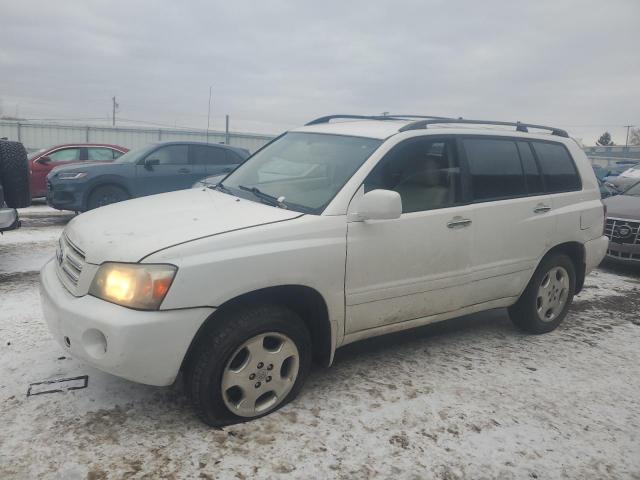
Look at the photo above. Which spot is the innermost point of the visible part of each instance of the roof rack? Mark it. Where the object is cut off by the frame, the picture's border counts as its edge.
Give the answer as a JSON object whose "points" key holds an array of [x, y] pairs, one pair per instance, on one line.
{"points": [[328, 118], [520, 127]]}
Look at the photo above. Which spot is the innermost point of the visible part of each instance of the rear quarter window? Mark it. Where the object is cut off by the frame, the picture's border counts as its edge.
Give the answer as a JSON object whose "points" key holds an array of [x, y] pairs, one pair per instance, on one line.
{"points": [[558, 169]]}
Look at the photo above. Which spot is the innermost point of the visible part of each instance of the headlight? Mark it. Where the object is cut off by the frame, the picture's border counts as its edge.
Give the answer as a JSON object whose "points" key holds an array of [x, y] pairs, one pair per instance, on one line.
{"points": [[71, 175], [141, 286]]}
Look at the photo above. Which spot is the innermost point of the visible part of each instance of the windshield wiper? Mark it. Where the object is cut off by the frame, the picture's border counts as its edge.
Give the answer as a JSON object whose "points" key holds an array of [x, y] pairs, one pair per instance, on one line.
{"points": [[275, 201], [221, 187]]}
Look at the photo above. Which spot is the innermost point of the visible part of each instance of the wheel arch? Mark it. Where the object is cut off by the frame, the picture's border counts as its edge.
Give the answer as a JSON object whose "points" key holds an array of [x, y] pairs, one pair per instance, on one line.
{"points": [[105, 182], [305, 301], [576, 252]]}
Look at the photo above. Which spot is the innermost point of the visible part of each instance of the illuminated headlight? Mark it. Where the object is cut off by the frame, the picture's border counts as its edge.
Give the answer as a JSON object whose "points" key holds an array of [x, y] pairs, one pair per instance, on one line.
{"points": [[140, 286], [71, 175]]}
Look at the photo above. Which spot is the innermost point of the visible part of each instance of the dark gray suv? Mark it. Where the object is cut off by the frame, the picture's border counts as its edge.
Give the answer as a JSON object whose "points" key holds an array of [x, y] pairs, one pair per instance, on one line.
{"points": [[157, 168]]}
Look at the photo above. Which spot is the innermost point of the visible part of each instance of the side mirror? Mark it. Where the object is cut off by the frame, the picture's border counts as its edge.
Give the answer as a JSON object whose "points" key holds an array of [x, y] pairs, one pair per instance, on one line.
{"points": [[44, 160], [379, 205], [150, 162]]}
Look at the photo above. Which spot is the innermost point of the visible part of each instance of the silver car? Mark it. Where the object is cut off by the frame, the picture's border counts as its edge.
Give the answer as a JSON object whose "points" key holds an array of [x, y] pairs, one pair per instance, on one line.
{"points": [[623, 225]]}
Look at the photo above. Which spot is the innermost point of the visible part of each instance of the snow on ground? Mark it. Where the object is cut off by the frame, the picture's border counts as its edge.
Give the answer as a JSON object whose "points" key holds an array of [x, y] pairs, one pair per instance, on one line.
{"points": [[468, 398]]}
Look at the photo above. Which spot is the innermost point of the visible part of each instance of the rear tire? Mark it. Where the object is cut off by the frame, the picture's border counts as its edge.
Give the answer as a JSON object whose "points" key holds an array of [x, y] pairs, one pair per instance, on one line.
{"points": [[106, 195], [14, 174], [546, 300], [227, 385]]}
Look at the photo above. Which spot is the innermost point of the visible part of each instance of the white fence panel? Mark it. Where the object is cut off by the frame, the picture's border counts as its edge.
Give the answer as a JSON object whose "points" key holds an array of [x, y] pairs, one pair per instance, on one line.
{"points": [[40, 135]]}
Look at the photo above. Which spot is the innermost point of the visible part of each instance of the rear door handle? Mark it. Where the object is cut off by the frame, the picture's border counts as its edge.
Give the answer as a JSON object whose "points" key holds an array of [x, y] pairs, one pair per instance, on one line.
{"points": [[458, 222], [184, 170], [541, 208]]}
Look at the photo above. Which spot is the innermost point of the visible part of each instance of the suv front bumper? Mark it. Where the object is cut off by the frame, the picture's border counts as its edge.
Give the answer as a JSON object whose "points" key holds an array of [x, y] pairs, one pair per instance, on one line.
{"points": [[142, 346], [64, 196]]}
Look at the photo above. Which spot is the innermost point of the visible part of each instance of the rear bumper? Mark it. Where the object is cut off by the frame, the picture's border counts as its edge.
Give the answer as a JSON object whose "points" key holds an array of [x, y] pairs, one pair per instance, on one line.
{"points": [[595, 251], [142, 346]]}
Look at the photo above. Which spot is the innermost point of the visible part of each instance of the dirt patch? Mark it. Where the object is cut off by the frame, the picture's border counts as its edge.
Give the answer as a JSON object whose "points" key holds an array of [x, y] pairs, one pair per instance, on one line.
{"points": [[17, 278], [627, 306]]}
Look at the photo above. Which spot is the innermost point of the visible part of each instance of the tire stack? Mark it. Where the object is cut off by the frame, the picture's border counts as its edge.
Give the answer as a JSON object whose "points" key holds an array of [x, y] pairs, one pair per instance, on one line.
{"points": [[14, 175]]}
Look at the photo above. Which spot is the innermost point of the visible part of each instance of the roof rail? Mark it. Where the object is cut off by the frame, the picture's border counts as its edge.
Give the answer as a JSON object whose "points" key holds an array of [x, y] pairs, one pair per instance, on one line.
{"points": [[328, 118], [520, 127]]}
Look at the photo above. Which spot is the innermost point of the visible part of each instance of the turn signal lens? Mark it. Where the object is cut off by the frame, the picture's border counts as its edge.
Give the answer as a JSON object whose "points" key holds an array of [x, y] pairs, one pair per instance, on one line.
{"points": [[140, 286]]}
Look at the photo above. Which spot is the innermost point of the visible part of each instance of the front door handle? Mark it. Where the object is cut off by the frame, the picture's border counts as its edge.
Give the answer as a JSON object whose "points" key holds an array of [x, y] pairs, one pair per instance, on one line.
{"points": [[184, 170], [458, 222], [541, 208]]}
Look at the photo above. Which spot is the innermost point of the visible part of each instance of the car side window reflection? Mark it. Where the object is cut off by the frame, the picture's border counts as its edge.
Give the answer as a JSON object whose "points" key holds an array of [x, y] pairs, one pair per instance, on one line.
{"points": [[170, 155], [423, 171]]}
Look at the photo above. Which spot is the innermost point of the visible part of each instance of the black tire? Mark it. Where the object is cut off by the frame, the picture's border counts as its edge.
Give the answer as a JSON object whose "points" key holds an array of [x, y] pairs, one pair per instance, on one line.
{"points": [[14, 174], [220, 341], [524, 314], [106, 195]]}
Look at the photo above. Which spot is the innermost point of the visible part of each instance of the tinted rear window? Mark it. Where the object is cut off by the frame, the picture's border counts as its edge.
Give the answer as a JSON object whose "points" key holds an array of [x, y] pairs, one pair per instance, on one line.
{"points": [[495, 168], [558, 169]]}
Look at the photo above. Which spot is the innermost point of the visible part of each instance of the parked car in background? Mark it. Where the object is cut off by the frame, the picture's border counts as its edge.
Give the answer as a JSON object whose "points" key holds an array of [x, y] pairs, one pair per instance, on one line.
{"points": [[623, 225], [600, 171], [606, 189], [332, 233], [46, 159], [627, 178], [157, 168], [14, 183]]}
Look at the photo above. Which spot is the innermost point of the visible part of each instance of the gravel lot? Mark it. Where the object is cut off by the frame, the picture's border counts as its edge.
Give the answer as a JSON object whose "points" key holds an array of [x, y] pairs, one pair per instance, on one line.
{"points": [[469, 398]]}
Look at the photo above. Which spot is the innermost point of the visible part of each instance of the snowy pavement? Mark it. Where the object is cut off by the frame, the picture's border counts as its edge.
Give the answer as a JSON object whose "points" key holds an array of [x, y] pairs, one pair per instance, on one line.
{"points": [[469, 398]]}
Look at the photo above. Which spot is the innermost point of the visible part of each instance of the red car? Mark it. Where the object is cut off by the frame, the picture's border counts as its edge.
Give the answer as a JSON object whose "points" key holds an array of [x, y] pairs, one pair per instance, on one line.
{"points": [[45, 160]]}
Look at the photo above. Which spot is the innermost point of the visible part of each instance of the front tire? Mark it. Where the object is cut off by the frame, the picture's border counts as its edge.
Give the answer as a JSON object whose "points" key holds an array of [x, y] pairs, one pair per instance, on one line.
{"points": [[248, 363], [106, 195], [545, 302]]}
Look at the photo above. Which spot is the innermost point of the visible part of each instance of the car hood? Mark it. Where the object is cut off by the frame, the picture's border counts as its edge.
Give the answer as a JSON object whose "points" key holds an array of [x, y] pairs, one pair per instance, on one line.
{"points": [[131, 230], [623, 206]]}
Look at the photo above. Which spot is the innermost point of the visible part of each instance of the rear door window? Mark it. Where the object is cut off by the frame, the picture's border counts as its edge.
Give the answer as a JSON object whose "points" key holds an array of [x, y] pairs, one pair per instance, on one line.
{"points": [[495, 168], [99, 154], [558, 170], [205, 155], [233, 158]]}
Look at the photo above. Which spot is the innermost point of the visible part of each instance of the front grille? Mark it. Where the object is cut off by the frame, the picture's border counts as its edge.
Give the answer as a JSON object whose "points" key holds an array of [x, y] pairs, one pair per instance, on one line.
{"points": [[70, 261], [623, 255], [620, 230]]}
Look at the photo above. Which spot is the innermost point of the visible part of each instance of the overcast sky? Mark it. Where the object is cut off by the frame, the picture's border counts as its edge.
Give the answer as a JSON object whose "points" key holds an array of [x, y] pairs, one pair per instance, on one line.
{"points": [[277, 64]]}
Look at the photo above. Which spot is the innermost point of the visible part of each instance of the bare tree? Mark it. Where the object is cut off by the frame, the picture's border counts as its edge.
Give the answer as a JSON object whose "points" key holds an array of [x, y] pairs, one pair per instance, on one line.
{"points": [[634, 136]]}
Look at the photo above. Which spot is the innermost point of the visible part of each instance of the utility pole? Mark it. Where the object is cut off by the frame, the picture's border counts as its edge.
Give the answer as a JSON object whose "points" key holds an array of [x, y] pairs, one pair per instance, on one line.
{"points": [[209, 112], [626, 143], [226, 130], [113, 117]]}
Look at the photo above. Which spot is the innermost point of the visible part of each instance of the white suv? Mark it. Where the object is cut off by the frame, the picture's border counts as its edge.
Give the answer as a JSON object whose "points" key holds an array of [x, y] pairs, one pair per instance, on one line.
{"points": [[347, 228]]}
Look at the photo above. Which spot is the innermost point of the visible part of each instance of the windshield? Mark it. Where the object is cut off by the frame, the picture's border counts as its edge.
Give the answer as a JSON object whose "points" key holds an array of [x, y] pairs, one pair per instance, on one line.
{"points": [[304, 171], [633, 191], [132, 156]]}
